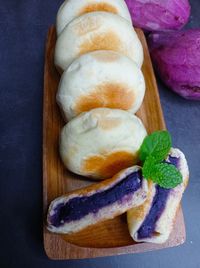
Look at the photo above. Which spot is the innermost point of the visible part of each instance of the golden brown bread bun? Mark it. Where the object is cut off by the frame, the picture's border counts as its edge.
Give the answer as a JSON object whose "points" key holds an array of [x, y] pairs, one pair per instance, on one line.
{"points": [[97, 31], [101, 79], [71, 9], [101, 142]]}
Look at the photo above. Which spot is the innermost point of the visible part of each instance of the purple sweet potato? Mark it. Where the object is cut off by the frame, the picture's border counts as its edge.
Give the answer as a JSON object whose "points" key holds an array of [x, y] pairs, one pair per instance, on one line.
{"points": [[159, 15], [176, 56]]}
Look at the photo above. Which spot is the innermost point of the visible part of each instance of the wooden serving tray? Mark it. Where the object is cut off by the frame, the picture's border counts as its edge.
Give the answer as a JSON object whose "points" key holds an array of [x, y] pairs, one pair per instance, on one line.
{"points": [[110, 237]]}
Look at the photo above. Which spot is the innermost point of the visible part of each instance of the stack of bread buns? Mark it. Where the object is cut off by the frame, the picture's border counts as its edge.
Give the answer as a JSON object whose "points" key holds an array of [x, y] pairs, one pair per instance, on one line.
{"points": [[99, 56]]}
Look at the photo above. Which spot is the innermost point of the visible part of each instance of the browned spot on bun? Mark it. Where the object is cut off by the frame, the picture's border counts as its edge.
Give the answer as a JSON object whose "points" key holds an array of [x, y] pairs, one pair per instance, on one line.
{"points": [[86, 25], [102, 113], [107, 124], [110, 95], [98, 7], [106, 166], [106, 56], [105, 121], [101, 41]]}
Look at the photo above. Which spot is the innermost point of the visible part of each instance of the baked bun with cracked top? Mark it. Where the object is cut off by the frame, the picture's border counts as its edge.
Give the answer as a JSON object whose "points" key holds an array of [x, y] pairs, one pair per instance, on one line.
{"points": [[101, 142], [153, 220], [101, 79], [71, 9], [97, 31], [81, 208]]}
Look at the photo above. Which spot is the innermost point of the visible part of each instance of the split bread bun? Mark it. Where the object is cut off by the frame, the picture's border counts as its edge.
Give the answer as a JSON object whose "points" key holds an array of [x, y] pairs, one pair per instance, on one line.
{"points": [[97, 31], [102, 201], [101, 79], [71, 9], [101, 142], [153, 220]]}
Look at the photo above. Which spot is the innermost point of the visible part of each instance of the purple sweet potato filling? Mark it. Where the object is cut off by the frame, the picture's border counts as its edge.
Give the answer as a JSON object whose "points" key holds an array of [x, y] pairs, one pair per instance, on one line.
{"points": [[78, 207], [158, 205]]}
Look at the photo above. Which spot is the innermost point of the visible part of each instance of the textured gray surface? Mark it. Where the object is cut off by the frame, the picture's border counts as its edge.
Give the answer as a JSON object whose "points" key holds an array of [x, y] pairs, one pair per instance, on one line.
{"points": [[23, 28]]}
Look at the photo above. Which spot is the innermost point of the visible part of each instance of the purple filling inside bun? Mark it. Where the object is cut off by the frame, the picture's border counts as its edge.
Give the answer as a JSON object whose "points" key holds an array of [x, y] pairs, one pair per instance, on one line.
{"points": [[78, 207], [157, 207]]}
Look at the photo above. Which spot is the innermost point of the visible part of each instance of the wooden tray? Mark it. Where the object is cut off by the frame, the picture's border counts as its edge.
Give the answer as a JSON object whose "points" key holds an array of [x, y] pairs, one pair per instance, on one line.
{"points": [[110, 237]]}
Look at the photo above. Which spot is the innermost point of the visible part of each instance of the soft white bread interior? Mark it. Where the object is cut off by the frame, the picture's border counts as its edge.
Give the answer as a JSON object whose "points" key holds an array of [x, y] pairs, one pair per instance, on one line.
{"points": [[60, 210], [163, 224], [97, 31], [71, 9], [101, 79], [101, 142]]}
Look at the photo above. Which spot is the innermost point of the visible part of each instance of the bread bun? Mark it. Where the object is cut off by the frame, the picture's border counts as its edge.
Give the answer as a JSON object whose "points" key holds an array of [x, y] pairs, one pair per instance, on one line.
{"points": [[97, 31], [81, 208], [101, 142], [71, 9], [101, 79]]}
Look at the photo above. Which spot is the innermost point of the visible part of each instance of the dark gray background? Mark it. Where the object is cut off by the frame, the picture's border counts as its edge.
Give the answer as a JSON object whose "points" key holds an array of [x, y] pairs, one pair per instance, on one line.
{"points": [[23, 29]]}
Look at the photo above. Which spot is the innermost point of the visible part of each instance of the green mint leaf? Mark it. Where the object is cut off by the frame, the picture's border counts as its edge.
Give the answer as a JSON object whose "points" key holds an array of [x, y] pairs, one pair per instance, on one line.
{"points": [[157, 145], [148, 167], [166, 175]]}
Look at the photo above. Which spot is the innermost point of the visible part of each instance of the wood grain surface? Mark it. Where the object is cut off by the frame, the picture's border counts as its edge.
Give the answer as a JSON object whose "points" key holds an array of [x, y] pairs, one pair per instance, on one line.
{"points": [[110, 237]]}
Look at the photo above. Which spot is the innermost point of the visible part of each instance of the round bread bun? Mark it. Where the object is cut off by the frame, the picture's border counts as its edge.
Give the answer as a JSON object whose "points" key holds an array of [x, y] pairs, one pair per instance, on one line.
{"points": [[71, 9], [97, 31], [101, 142], [101, 79]]}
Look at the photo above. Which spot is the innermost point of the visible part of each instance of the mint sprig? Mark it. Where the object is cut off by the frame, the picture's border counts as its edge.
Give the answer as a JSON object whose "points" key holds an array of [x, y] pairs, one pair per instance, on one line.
{"points": [[165, 175], [157, 145], [148, 167], [153, 151]]}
